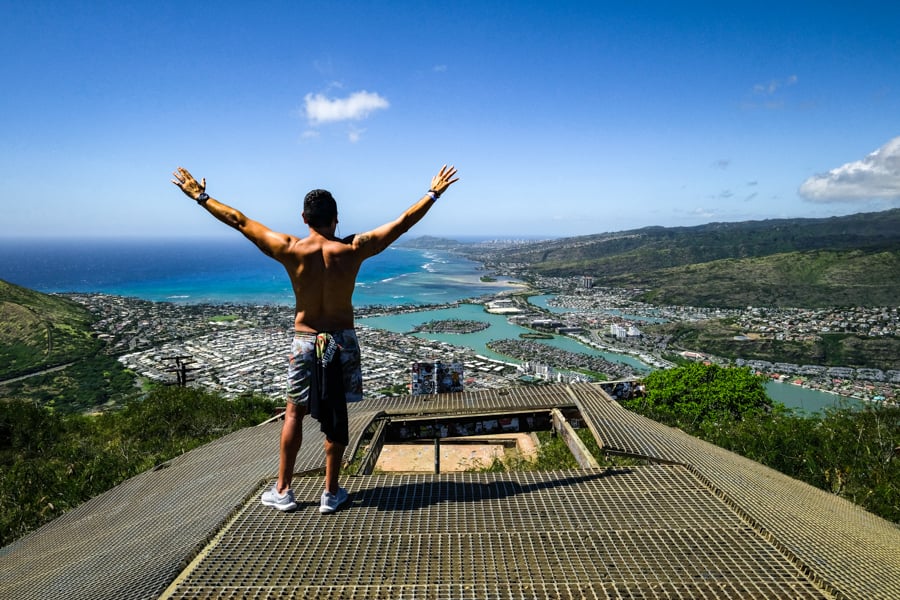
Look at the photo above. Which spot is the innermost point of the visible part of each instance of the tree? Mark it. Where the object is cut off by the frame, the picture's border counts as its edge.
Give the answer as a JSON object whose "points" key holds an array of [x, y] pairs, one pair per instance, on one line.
{"points": [[696, 393], [853, 453]]}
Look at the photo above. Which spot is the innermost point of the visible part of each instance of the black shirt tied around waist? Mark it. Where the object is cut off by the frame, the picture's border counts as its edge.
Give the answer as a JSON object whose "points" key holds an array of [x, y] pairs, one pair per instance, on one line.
{"points": [[327, 403]]}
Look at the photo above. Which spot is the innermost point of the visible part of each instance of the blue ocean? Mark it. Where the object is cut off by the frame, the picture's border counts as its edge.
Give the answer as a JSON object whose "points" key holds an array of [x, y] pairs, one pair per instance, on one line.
{"points": [[233, 271], [227, 271]]}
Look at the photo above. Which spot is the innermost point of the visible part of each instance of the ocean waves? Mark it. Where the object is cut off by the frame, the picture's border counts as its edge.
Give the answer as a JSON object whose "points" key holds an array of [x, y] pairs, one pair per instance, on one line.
{"points": [[226, 271]]}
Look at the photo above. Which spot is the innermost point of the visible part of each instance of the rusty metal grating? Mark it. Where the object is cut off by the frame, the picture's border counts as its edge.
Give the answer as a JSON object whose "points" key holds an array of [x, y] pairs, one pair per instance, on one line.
{"points": [[821, 532], [642, 532], [553, 591], [645, 532], [130, 542], [482, 400]]}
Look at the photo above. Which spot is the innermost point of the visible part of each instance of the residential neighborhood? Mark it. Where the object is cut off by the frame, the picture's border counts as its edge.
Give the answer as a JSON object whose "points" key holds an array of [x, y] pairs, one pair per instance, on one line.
{"points": [[235, 348]]}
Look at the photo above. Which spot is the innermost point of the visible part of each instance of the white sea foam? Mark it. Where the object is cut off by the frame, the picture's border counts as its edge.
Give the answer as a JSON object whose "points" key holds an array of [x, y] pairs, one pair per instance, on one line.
{"points": [[394, 278], [409, 274]]}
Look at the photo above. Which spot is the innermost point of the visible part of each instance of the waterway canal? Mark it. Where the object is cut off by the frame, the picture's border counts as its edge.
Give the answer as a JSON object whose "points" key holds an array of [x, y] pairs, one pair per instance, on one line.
{"points": [[792, 396], [499, 329]]}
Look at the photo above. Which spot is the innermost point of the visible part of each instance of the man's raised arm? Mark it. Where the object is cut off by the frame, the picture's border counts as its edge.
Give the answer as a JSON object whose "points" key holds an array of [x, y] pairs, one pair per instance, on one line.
{"points": [[373, 242], [270, 242]]}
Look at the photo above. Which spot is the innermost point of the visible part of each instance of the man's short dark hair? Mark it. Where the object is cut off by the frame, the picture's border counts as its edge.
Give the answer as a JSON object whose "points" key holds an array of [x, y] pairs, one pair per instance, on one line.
{"points": [[319, 208]]}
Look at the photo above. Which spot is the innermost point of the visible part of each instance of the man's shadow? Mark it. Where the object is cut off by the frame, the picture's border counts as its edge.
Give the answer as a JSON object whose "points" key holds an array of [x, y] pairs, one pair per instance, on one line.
{"points": [[421, 494]]}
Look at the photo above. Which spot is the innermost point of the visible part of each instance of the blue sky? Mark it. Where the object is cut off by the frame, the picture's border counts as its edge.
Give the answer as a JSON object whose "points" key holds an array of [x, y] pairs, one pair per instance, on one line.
{"points": [[564, 118]]}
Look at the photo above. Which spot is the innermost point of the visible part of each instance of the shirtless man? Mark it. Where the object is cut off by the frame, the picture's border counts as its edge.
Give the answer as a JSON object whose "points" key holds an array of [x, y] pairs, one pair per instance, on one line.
{"points": [[323, 270]]}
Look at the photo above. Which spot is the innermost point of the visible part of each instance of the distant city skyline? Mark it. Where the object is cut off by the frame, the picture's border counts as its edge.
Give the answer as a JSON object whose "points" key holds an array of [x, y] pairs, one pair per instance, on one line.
{"points": [[564, 119]]}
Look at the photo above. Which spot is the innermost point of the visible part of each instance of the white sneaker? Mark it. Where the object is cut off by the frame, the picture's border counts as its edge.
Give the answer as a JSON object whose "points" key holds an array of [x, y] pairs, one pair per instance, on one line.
{"points": [[282, 502], [331, 502]]}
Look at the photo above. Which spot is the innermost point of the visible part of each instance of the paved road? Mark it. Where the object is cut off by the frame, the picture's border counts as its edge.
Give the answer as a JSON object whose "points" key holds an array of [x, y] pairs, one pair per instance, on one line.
{"points": [[35, 374]]}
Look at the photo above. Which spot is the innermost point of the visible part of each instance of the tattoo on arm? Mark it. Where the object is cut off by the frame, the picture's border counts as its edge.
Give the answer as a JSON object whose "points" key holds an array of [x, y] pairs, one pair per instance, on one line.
{"points": [[374, 245]]}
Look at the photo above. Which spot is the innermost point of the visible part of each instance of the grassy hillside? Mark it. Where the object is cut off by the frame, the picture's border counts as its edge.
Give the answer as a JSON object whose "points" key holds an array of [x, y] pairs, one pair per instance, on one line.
{"points": [[720, 338], [851, 260], [807, 279], [38, 331]]}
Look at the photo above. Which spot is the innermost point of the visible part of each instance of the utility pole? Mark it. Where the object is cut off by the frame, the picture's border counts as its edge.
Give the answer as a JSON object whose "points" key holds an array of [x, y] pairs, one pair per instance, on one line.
{"points": [[181, 369]]}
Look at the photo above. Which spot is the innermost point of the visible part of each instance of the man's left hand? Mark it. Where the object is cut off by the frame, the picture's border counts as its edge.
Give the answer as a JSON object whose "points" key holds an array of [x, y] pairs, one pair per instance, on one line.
{"points": [[187, 183]]}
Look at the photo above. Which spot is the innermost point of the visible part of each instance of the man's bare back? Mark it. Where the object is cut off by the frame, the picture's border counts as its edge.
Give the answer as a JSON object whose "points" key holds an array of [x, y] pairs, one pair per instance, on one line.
{"points": [[323, 275]]}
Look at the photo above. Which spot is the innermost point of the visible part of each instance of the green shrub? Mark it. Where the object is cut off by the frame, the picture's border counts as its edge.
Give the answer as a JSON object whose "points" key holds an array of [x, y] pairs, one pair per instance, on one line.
{"points": [[695, 393], [50, 463], [853, 453]]}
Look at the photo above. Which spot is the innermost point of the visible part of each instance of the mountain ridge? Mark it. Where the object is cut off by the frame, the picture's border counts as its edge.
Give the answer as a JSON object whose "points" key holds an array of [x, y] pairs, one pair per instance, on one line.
{"points": [[832, 261]]}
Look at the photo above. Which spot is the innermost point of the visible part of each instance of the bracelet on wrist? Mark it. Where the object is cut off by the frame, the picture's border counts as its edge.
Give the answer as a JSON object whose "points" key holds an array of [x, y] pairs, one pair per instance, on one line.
{"points": [[432, 194], [203, 197]]}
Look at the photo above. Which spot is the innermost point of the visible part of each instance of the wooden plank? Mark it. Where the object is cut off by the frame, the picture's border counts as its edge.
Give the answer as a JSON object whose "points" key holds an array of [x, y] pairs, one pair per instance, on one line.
{"points": [[367, 466], [582, 455]]}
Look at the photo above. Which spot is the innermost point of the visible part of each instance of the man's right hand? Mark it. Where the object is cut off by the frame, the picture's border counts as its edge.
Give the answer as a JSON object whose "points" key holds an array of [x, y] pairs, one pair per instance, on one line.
{"points": [[443, 180], [188, 184]]}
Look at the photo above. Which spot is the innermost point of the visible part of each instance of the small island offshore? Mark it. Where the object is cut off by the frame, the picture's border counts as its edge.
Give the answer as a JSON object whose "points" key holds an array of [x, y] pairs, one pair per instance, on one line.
{"points": [[451, 326]]}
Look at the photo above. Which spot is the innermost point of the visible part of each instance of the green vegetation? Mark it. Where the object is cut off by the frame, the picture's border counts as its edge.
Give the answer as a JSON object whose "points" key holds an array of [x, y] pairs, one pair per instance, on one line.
{"points": [[796, 279], [38, 331], [698, 393], [488, 279], [224, 318], [95, 381], [852, 453], [397, 389], [50, 463], [553, 454], [839, 261], [49, 339], [717, 337]]}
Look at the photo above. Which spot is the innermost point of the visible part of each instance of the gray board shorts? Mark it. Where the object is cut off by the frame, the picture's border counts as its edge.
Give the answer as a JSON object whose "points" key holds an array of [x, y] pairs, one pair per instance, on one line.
{"points": [[304, 358]]}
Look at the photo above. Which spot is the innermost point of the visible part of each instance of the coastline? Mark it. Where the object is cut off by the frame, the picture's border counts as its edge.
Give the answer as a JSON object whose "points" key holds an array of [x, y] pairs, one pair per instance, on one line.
{"points": [[181, 271], [403, 280]]}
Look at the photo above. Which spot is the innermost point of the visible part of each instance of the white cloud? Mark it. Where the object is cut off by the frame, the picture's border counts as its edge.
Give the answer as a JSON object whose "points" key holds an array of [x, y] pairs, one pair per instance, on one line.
{"points": [[770, 94], [355, 107], [355, 135], [875, 177], [774, 85]]}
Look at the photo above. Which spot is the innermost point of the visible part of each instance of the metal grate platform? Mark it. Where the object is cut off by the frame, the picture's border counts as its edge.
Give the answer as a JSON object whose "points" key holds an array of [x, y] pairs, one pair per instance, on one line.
{"points": [[645, 532], [706, 524], [824, 533]]}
